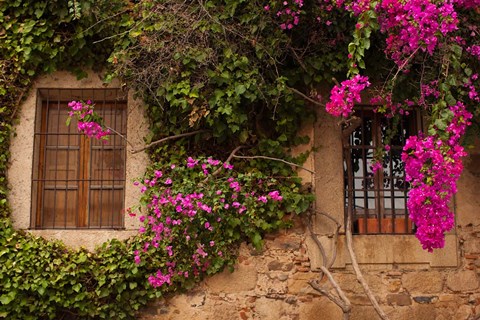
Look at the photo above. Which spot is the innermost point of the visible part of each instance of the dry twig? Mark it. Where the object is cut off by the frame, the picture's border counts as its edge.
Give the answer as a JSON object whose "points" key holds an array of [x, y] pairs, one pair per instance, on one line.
{"points": [[177, 136], [348, 229], [274, 159], [341, 301], [303, 95]]}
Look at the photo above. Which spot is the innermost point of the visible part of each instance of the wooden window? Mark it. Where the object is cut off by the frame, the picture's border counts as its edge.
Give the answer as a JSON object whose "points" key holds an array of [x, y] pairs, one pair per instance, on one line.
{"points": [[78, 182], [380, 198]]}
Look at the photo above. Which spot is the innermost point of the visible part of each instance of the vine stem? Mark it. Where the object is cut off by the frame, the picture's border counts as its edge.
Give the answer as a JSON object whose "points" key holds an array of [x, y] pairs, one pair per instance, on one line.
{"points": [[216, 172], [17, 103], [341, 301], [303, 95], [177, 136], [121, 135], [400, 68], [348, 228], [274, 159]]}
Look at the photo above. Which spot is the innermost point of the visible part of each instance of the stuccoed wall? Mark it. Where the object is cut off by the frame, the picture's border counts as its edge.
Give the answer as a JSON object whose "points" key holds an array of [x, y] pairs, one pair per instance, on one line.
{"points": [[409, 283], [20, 170]]}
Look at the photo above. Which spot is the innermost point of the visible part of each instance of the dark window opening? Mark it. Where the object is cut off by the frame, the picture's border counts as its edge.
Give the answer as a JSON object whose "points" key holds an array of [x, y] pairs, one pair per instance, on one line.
{"points": [[380, 198]]}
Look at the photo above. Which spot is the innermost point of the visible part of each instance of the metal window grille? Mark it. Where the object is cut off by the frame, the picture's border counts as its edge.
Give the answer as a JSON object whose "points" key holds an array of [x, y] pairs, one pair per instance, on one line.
{"points": [[78, 182], [380, 198]]}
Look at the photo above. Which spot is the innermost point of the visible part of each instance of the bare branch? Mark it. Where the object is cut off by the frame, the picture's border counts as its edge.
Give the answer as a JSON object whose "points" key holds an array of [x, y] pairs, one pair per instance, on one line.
{"points": [[300, 62], [121, 135], [349, 125], [342, 300], [303, 95], [317, 242], [337, 288], [105, 19], [216, 172], [335, 237], [168, 138], [346, 308], [273, 159], [348, 233], [17, 103]]}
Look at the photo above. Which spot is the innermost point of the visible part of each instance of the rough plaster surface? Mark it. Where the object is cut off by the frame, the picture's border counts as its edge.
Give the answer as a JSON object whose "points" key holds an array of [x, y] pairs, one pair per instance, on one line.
{"points": [[20, 170]]}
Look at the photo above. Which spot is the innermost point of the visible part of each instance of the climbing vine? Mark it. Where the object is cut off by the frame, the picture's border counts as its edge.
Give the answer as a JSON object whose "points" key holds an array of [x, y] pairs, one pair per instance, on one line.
{"points": [[245, 75]]}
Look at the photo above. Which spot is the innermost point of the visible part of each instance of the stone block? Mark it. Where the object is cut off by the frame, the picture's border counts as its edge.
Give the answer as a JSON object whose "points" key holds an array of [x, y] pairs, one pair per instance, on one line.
{"points": [[360, 299], [424, 312], [400, 299], [348, 282], [394, 285], [298, 284], [275, 265], [219, 311], [363, 313], [425, 299], [244, 278], [320, 308], [471, 246], [288, 242], [423, 282], [462, 281], [268, 309], [463, 313], [401, 249], [270, 286], [398, 313]]}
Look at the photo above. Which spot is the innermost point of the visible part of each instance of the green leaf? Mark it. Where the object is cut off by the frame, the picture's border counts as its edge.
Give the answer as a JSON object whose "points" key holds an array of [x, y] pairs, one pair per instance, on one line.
{"points": [[257, 240], [5, 299], [440, 124], [77, 287], [240, 89]]}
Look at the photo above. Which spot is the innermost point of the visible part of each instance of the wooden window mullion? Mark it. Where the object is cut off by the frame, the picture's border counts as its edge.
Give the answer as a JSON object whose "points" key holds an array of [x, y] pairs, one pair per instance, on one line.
{"points": [[84, 185], [41, 168]]}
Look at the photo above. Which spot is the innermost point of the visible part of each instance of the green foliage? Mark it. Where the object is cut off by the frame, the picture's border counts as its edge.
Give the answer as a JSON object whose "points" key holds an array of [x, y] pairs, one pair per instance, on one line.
{"points": [[43, 279], [227, 67], [216, 66], [196, 212], [220, 65]]}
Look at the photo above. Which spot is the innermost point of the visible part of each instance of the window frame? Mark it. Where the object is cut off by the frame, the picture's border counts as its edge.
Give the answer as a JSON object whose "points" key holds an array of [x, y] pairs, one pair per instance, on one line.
{"points": [[109, 101], [379, 219]]}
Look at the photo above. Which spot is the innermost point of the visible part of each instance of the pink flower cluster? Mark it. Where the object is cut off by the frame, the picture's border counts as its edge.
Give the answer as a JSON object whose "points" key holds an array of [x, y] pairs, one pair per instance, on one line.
{"points": [[468, 4], [474, 51], [413, 25], [472, 90], [86, 117], [92, 130], [433, 166], [194, 216], [388, 108], [358, 7], [344, 96], [289, 13]]}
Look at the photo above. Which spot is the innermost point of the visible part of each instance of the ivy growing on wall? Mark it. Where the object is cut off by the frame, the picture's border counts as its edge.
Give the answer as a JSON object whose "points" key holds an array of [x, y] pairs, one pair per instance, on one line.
{"points": [[207, 68], [238, 73]]}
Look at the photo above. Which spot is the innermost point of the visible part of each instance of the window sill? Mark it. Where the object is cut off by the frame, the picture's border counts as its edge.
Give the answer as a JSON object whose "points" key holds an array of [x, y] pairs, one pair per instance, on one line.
{"points": [[86, 238], [386, 250]]}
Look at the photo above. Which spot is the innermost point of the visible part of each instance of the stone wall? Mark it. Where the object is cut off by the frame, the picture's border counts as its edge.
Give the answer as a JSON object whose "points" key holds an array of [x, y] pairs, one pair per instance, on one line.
{"points": [[408, 282], [273, 284]]}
